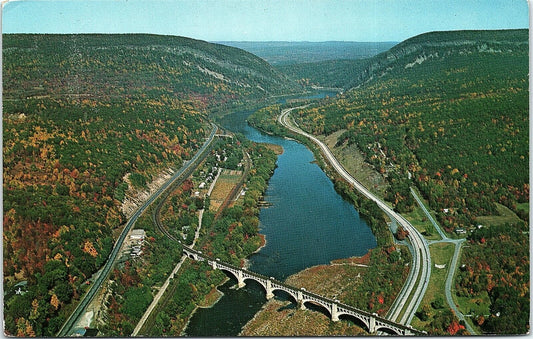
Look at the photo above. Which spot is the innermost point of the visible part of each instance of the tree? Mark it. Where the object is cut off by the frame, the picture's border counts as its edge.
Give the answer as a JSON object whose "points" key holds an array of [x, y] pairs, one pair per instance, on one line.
{"points": [[64, 291]]}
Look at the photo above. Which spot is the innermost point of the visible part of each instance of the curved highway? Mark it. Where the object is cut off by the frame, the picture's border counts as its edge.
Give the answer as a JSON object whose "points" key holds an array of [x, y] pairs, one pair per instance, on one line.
{"points": [[67, 328], [416, 284]]}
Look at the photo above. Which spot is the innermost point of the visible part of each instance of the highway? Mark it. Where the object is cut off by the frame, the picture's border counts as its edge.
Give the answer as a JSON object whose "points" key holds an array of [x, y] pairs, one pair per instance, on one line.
{"points": [[418, 279], [68, 326]]}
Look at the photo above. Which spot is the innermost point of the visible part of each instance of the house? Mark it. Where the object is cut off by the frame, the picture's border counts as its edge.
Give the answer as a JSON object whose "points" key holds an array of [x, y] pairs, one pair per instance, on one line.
{"points": [[460, 231]]}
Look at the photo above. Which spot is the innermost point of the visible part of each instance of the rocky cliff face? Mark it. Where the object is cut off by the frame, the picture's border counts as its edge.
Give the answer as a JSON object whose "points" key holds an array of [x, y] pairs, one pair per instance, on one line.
{"points": [[439, 45]]}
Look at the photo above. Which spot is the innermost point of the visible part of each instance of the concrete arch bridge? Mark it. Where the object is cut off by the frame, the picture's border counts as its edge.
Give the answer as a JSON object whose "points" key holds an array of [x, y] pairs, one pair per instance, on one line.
{"points": [[371, 321]]}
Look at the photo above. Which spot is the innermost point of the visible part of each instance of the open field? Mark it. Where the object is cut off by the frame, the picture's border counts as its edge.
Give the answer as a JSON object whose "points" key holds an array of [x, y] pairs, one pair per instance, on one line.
{"points": [[225, 183], [418, 219], [475, 306], [441, 254], [276, 148], [331, 281], [506, 216]]}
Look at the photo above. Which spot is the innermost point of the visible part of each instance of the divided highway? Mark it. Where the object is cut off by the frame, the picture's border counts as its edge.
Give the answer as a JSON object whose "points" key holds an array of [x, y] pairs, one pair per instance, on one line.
{"points": [[418, 279], [68, 326]]}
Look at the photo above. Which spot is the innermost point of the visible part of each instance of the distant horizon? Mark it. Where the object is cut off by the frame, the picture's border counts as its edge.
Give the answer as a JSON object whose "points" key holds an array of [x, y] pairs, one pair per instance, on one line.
{"points": [[264, 41], [265, 21]]}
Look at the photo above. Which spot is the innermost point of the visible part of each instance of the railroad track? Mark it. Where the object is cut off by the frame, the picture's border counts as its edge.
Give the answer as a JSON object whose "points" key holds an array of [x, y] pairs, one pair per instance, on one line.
{"points": [[74, 317]]}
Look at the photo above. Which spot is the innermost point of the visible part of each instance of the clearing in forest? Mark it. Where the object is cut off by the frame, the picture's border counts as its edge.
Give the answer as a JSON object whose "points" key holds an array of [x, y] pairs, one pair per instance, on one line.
{"points": [[225, 183]]}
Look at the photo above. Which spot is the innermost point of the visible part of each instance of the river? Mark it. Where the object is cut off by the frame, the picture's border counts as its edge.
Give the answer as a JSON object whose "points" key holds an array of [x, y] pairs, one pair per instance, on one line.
{"points": [[308, 224]]}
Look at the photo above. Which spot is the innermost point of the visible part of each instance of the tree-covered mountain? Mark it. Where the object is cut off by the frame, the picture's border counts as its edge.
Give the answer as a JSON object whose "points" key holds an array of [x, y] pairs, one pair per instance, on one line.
{"points": [[440, 45], [348, 67], [448, 113], [132, 65], [323, 64], [330, 74], [84, 118]]}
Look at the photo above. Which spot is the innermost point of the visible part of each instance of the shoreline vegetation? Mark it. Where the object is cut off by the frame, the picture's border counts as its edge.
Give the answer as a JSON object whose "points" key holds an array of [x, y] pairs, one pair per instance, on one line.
{"points": [[237, 229], [72, 156], [358, 280]]}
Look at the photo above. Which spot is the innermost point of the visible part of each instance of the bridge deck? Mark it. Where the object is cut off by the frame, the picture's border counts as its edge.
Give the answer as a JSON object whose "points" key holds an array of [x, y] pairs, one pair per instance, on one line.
{"points": [[333, 306]]}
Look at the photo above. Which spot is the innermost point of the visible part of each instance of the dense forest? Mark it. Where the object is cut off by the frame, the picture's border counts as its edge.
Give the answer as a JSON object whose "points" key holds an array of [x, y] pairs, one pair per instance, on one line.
{"points": [[447, 112], [330, 74], [85, 119], [89, 118], [231, 235]]}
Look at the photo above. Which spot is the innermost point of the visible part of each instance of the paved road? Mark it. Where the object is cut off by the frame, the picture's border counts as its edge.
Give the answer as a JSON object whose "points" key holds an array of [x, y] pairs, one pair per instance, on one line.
{"points": [[416, 284], [68, 326], [426, 212], [453, 265], [448, 285]]}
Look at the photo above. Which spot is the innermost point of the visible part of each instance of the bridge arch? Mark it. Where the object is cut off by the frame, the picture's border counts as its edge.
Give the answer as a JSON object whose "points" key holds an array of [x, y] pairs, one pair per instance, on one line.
{"points": [[335, 310], [319, 307], [357, 321], [259, 281], [226, 270], [287, 292], [388, 330]]}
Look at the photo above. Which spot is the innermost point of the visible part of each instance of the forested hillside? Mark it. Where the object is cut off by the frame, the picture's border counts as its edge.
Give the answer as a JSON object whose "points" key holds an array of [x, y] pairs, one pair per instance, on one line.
{"points": [[331, 73], [84, 118], [447, 112]]}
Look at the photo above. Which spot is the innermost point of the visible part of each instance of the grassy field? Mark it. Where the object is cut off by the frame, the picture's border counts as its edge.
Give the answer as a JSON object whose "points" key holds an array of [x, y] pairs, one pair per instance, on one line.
{"points": [[523, 206], [276, 148], [225, 183], [441, 254], [505, 216], [418, 219], [475, 306]]}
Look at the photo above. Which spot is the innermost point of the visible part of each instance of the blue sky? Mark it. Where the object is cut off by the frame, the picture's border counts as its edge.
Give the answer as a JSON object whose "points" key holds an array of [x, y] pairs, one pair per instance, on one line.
{"points": [[264, 20]]}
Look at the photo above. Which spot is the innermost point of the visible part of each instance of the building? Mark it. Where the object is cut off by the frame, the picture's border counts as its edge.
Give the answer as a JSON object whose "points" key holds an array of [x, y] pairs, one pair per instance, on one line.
{"points": [[137, 234]]}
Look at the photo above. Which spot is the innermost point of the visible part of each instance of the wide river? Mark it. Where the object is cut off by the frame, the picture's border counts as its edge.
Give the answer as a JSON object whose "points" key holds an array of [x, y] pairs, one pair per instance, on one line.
{"points": [[308, 224]]}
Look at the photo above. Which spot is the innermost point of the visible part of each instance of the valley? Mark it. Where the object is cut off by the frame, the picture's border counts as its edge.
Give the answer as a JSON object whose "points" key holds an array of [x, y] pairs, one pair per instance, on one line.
{"points": [[423, 146]]}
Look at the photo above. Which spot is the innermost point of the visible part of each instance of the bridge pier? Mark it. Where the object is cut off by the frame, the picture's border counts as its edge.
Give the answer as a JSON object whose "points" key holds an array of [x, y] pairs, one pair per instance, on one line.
{"points": [[269, 293], [240, 280], [334, 315], [300, 300], [372, 325]]}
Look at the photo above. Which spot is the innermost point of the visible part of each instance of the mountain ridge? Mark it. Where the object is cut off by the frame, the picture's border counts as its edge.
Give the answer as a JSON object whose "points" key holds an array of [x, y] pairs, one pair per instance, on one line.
{"points": [[460, 41]]}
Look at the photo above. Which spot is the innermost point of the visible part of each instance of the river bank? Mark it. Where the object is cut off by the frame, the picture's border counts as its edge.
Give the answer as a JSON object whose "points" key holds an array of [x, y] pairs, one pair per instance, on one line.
{"points": [[304, 210], [280, 317]]}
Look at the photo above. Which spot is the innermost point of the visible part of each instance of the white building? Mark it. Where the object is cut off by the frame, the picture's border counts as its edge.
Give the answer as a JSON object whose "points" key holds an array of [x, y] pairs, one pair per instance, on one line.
{"points": [[137, 234]]}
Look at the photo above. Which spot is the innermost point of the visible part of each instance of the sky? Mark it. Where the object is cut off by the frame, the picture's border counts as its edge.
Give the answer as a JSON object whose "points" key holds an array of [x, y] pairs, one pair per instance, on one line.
{"points": [[264, 20]]}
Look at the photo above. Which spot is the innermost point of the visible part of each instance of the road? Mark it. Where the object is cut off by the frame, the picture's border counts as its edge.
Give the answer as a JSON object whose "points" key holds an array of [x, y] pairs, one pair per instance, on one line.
{"points": [[68, 326], [417, 282], [428, 215], [164, 287], [453, 265]]}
